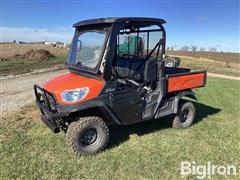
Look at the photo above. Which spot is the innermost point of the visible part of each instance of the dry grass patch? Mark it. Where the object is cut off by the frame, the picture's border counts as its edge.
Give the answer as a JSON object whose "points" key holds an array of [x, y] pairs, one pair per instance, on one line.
{"points": [[218, 67], [216, 56]]}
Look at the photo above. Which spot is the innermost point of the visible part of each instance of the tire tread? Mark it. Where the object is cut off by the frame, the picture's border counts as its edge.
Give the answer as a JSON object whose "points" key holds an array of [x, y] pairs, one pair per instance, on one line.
{"points": [[73, 128]]}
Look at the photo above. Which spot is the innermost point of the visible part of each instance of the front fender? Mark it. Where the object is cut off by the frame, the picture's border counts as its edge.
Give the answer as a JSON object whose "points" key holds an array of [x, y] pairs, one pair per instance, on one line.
{"points": [[100, 104]]}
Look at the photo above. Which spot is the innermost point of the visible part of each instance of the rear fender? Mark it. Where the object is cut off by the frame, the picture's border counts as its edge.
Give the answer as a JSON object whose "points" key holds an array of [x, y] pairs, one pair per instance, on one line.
{"points": [[189, 93], [170, 105]]}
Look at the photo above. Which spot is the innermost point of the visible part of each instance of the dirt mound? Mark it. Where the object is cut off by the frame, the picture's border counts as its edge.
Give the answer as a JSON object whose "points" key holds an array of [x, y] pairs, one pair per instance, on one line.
{"points": [[40, 54]]}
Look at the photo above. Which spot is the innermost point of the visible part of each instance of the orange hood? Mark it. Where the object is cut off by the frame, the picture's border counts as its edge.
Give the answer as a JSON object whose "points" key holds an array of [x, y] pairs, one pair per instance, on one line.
{"points": [[73, 81]]}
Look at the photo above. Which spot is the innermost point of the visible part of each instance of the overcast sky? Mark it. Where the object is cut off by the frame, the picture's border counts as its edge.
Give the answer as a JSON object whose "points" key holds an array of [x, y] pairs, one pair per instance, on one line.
{"points": [[200, 23]]}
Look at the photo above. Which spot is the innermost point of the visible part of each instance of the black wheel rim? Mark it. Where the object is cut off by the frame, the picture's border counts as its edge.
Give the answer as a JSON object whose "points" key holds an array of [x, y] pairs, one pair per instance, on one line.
{"points": [[184, 115], [89, 136]]}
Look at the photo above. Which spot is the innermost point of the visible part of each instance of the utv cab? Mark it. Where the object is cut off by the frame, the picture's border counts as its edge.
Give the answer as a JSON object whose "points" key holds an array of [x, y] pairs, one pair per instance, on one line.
{"points": [[117, 76]]}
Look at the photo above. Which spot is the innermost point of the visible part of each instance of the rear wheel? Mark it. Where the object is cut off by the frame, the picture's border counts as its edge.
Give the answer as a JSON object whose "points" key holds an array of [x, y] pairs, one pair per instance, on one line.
{"points": [[185, 116], [87, 136]]}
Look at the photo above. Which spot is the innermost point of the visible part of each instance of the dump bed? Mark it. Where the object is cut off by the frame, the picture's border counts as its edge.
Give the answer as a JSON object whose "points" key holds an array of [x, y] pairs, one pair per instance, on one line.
{"points": [[181, 79]]}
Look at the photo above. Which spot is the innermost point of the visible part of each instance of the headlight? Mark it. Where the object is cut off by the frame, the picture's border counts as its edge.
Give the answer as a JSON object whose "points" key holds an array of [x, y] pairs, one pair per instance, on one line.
{"points": [[75, 95]]}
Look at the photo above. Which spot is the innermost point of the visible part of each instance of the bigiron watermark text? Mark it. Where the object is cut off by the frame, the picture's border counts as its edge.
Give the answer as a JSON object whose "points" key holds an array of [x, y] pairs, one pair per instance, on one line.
{"points": [[207, 170]]}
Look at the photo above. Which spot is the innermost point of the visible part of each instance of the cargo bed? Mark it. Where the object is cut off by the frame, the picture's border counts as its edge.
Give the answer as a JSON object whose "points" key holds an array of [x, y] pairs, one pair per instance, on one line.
{"points": [[183, 78]]}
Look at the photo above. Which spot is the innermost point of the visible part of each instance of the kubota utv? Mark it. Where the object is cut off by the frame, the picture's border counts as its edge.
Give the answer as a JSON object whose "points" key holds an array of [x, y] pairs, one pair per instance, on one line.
{"points": [[117, 76]]}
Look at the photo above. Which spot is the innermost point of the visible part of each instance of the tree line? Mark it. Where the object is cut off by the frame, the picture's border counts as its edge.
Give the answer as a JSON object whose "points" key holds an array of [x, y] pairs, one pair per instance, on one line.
{"points": [[192, 48]]}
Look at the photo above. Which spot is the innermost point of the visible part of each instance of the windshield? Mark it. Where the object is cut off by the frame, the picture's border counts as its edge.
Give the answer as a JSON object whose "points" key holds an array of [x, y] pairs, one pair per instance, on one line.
{"points": [[86, 49]]}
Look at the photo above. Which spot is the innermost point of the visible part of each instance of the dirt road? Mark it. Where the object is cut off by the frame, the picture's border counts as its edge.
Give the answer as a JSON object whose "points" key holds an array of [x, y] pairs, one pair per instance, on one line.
{"points": [[17, 91], [223, 76]]}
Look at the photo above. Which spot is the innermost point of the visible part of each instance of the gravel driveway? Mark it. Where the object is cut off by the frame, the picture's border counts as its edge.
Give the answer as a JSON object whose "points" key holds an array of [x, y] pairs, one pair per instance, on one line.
{"points": [[17, 92]]}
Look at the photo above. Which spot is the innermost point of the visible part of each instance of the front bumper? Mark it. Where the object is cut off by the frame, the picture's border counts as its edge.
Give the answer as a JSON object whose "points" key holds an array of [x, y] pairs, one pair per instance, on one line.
{"points": [[48, 107]]}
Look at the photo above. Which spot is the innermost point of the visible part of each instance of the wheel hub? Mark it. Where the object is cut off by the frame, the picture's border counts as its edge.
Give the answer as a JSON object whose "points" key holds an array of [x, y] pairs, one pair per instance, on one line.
{"points": [[184, 115], [89, 136]]}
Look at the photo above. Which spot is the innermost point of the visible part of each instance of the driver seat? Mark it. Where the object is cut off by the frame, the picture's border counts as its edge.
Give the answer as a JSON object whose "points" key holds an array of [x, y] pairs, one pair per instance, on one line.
{"points": [[129, 69], [136, 69]]}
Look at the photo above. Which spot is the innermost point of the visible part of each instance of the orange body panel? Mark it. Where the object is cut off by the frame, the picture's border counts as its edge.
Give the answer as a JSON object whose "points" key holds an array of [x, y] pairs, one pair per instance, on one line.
{"points": [[72, 81], [187, 81]]}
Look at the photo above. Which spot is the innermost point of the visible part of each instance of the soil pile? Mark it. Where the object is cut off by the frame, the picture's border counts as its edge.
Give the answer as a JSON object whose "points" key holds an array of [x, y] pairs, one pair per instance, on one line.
{"points": [[40, 54]]}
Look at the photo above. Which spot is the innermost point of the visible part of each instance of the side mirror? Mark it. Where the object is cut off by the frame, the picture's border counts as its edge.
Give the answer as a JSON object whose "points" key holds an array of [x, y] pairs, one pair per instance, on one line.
{"points": [[150, 71]]}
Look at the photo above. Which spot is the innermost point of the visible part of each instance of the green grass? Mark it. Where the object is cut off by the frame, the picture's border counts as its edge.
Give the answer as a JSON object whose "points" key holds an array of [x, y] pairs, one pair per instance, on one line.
{"points": [[149, 150], [20, 66], [218, 67]]}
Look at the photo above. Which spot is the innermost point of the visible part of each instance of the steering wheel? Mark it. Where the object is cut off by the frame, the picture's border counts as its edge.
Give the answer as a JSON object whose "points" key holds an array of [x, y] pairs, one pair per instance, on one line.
{"points": [[138, 85]]}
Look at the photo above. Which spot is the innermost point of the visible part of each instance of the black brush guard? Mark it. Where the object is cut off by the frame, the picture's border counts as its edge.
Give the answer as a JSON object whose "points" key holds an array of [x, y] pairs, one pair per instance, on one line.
{"points": [[47, 105]]}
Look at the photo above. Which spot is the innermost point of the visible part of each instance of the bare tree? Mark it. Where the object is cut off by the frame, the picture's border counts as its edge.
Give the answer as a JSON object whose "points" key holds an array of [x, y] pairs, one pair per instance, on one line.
{"points": [[172, 48], [213, 49], [185, 48], [194, 48], [202, 49]]}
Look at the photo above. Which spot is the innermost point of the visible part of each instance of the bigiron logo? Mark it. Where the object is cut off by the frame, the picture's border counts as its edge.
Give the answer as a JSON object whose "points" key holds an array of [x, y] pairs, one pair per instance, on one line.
{"points": [[207, 170]]}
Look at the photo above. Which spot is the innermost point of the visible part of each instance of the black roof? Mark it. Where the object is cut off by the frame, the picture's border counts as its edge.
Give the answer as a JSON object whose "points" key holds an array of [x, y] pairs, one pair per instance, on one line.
{"points": [[118, 19]]}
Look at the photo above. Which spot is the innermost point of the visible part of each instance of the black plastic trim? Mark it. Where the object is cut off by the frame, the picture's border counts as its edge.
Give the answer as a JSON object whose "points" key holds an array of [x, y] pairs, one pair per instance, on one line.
{"points": [[188, 93], [49, 115], [117, 19], [94, 103]]}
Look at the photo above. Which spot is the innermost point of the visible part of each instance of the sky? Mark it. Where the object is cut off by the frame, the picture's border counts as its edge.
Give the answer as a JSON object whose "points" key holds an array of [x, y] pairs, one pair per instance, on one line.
{"points": [[202, 23]]}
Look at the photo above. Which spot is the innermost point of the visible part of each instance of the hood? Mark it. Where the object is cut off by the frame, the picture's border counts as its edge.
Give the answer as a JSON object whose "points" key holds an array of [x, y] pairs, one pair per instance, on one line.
{"points": [[72, 81]]}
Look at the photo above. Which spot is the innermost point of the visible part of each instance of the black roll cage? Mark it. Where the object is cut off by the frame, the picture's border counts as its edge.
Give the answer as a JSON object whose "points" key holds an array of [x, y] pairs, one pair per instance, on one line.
{"points": [[116, 27], [142, 31]]}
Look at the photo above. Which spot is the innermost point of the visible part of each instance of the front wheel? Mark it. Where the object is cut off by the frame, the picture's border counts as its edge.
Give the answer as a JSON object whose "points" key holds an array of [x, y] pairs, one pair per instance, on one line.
{"points": [[185, 116], [87, 136]]}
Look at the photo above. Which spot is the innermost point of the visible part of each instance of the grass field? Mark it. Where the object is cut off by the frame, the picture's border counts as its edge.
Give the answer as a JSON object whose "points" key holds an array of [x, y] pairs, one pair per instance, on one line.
{"points": [[19, 66], [9, 64], [149, 150], [216, 56], [218, 67], [214, 62]]}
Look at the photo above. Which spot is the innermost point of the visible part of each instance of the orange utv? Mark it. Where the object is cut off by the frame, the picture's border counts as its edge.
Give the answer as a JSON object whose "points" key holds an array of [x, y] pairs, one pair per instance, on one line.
{"points": [[116, 76]]}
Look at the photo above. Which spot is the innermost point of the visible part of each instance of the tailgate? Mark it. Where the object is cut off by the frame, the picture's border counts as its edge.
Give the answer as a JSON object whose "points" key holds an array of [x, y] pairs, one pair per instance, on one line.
{"points": [[187, 80]]}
